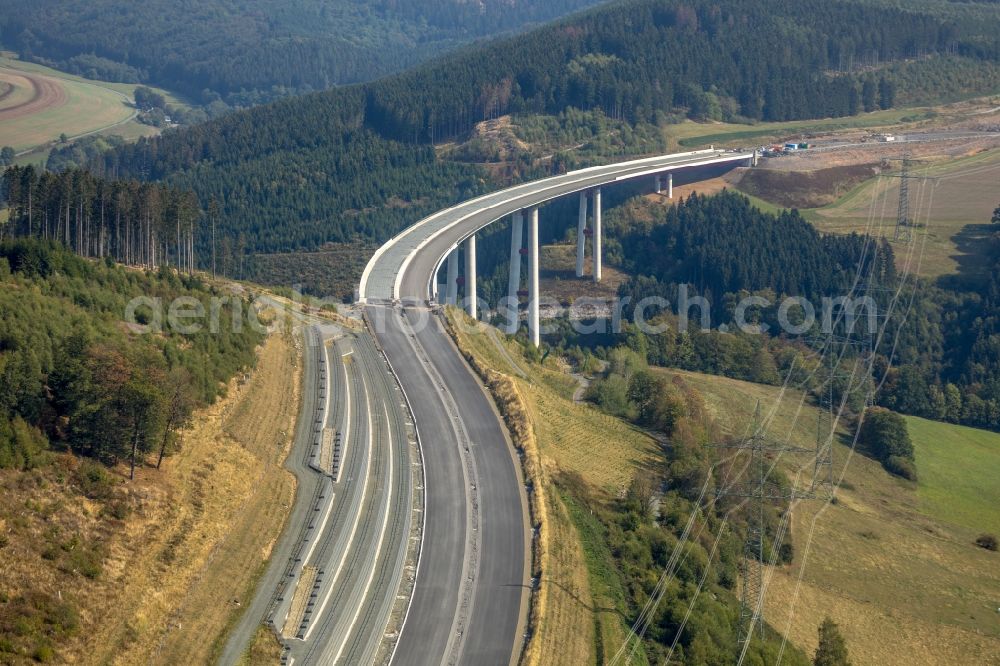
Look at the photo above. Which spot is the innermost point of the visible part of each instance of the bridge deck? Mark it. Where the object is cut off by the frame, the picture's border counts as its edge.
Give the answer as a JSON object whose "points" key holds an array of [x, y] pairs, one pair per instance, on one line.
{"points": [[402, 269]]}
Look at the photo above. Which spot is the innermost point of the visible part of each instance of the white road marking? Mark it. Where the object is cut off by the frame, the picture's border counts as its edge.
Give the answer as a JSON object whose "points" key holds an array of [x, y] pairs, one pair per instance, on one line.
{"points": [[318, 532], [357, 517], [378, 548], [345, 435]]}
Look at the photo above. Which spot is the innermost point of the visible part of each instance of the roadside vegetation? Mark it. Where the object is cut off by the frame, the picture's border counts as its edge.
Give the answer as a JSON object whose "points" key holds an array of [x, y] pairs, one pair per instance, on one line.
{"points": [[88, 402], [888, 552], [616, 503]]}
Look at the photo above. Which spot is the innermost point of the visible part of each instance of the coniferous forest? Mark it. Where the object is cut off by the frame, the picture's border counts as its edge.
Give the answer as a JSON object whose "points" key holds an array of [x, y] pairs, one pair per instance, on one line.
{"points": [[249, 51], [300, 172], [132, 222], [72, 376]]}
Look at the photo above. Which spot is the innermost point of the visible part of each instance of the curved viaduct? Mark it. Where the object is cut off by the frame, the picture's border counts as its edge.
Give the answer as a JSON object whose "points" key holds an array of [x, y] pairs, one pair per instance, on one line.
{"points": [[470, 599]]}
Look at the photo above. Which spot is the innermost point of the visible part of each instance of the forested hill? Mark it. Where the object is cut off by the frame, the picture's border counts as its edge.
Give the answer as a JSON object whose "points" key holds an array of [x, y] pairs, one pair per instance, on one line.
{"points": [[354, 161], [75, 376], [228, 46]]}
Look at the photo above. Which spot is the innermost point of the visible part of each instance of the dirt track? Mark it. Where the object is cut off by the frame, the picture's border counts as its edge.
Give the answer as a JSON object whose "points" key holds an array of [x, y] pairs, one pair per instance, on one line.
{"points": [[46, 93]]}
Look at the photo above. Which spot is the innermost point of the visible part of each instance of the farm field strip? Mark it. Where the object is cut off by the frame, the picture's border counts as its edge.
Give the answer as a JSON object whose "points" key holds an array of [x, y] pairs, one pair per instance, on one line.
{"points": [[957, 207], [42, 103]]}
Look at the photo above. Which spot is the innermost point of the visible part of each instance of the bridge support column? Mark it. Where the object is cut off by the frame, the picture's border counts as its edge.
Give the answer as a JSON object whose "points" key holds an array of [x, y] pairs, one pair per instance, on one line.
{"points": [[451, 286], [514, 280], [581, 234], [533, 295], [597, 234], [670, 185], [470, 276], [657, 184]]}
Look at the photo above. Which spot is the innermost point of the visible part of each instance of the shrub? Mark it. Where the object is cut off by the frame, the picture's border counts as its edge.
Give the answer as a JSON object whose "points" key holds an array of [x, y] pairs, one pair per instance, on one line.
{"points": [[44, 654], [884, 434], [901, 467], [987, 541], [85, 561], [94, 480]]}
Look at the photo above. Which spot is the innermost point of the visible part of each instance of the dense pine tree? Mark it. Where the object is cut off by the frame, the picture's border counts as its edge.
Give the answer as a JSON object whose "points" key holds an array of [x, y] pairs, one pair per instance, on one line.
{"points": [[832, 650]]}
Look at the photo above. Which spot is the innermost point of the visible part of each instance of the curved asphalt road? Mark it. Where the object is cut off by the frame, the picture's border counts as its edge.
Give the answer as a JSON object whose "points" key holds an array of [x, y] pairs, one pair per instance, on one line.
{"points": [[404, 268], [470, 598], [471, 595]]}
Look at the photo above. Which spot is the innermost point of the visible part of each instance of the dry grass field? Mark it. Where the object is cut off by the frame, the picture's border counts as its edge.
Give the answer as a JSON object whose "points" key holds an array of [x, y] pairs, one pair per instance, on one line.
{"points": [[557, 275], [896, 569], [580, 622], [161, 582], [955, 208]]}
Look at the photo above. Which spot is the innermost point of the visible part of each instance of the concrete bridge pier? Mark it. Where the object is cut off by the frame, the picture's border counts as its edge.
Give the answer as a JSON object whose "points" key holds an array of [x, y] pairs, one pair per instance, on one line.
{"points": [[670, 185], [657, 184], [451, 286], [597, 234], [470, 275], [581, 235], [514, 280], [533, 295]]}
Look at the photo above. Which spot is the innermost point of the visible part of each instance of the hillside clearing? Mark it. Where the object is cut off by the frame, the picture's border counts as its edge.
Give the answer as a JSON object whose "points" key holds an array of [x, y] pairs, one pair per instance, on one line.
{"points": [[958, 474], [956, 209], [175, 571], [881, 557], [690, 134]]}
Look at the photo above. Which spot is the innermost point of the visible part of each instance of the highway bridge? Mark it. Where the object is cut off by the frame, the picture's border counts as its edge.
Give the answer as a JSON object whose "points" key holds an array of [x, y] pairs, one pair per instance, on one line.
{"points": [[471, 592]]}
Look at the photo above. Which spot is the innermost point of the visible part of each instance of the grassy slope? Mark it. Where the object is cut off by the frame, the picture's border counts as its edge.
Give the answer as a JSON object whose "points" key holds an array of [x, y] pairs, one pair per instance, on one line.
{"points": [[198, 534], [90, 106], [958, 474], [582, 623], [690, 134], [959, 210], [906, 585]]}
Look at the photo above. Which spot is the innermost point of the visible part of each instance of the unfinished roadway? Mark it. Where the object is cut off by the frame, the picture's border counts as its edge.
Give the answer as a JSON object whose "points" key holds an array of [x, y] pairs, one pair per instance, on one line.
{"points": [[337, 580]]}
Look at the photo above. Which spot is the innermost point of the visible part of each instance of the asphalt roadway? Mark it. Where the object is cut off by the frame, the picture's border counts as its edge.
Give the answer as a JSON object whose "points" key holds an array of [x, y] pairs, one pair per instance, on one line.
{"points": [[471, 595], [352, 527]]}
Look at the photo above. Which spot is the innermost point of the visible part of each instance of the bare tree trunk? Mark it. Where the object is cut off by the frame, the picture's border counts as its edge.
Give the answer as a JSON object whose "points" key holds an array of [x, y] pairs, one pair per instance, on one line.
{"points": [[135, 448]]}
